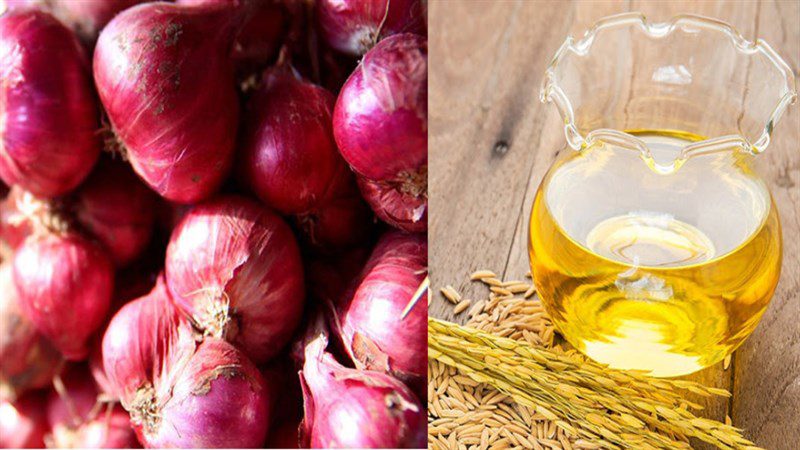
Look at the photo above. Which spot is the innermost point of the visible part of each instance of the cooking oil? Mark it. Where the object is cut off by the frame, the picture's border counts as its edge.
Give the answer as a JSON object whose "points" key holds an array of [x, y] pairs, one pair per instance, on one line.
{"points": [[660, 272]]}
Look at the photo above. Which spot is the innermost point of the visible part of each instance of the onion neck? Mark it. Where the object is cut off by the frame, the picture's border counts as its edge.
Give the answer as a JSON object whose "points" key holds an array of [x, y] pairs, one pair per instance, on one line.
{"points": [[144, 409], [217, 319], [413, 182]]}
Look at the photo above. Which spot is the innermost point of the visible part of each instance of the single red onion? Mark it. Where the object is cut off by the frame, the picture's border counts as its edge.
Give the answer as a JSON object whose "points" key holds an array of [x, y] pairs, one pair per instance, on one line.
{"points": [[392, 203], [166, 80], [64, 283], [27, 360], [380, 123], [138, 280], [117, 209], [289, 157], [354, 26], [23, 423], [78, 419], [341, 220], [339, 223], [349, 408], [374, 329], [181, 393], [259, 37], [234, 268], [48, 118]]}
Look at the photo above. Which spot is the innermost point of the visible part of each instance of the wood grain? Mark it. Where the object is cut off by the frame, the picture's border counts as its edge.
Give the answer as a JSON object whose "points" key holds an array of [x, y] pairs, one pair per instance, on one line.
{"points": [[491, 141]]}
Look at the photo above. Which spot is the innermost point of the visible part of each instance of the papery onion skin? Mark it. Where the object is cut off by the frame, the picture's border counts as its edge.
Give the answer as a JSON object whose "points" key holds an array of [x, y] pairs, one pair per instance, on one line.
{"points": [[232, 251], [373, 328], [64, 283], [165, 78], [407, 211], [289, 157], [381, 116], [45, 114], [181, 393], [78, 420], [353, 26], [23, 423], [27, 359], [349, 408], [116, 208]]}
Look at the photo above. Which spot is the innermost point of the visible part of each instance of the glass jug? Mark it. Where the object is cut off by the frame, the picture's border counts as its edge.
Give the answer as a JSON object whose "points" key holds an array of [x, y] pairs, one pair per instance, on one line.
{"points": [[654, 245]]}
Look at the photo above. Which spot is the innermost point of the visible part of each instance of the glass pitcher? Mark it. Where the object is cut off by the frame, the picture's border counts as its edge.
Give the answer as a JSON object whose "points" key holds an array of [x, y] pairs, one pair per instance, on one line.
{"points": [[654, 245]]}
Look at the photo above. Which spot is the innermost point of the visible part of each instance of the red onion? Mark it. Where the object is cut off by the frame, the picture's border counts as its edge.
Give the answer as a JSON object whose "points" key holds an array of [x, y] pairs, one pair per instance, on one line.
{"points": [[389, 200], [258, 38], [27, 360], [374, 331], [181, 393], [166, 81], [117, 209], [341, 220], [78, 419], [339, 223], [138, 280], [85, 17], [380, 123], [349, 408], [354, 26], [235, 269], [23, 423], [289, 157], [45, 114], [64, 283]]}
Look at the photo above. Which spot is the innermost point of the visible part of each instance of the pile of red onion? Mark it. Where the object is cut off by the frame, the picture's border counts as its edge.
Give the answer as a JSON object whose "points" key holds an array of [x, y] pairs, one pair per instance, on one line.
{"points": [[212, 223]]}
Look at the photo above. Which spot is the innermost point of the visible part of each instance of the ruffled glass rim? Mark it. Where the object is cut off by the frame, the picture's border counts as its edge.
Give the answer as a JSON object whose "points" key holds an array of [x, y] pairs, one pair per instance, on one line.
{"points": [[552, 92]]}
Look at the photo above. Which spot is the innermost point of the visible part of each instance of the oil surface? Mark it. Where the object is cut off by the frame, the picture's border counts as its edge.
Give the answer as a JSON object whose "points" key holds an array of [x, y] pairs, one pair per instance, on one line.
{"points": [[662, 273]]}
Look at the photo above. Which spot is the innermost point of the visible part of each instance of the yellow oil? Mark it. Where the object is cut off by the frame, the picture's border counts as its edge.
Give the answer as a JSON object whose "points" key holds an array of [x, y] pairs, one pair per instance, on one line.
{"points": [[662, 273]]}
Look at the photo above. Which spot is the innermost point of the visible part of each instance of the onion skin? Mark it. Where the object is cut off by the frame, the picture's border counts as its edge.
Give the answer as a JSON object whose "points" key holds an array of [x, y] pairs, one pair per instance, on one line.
{"points": [[289, 158], [23, 423], [352, 26], [404, 211], [372, 329], [380, 124], [230, 251], [118, 210], [181, 393], [77, 420], [27, 360], [64, 283], [349, 408], [167, 83], [45, 115]]}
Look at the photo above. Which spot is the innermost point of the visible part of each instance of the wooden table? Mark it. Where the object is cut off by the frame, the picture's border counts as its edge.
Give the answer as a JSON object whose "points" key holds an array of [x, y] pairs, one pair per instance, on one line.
{"points": [[491, 141]]}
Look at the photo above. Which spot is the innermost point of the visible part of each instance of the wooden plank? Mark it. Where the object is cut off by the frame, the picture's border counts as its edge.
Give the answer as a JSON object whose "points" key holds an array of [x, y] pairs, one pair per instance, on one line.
{"points": [[487, 63]]}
